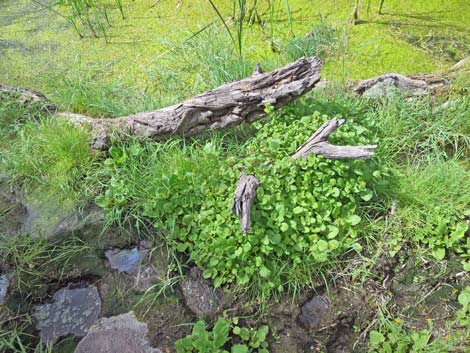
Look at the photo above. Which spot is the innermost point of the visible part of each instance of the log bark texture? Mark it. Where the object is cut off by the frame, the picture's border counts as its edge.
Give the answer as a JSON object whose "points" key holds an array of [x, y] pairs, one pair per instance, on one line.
{"points": [[244, 196], [226, 106], [318, 144], [27, 96]]}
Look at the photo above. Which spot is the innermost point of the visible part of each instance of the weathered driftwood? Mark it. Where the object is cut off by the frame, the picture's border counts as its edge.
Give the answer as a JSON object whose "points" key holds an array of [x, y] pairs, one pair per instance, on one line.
{"points": [[243, 199], [317, 144], [226, 106], [27, 96]]}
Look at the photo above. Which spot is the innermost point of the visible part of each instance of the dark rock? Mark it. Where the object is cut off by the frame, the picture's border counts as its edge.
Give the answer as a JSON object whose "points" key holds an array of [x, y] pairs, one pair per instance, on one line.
{"points": [[4, 283], [313, 311], [200, 297], [122, 333], [127, 260], [72, 311]]}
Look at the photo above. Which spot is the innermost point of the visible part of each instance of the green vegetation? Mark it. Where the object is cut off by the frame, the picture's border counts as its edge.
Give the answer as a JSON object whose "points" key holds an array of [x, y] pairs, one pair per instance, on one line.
{"points": [[395, 338], [217, 340], [50, 154], [320, 40], [408, 37], [314, 220], [13, 341], [464, 313], [294, 229], [34, 258]]}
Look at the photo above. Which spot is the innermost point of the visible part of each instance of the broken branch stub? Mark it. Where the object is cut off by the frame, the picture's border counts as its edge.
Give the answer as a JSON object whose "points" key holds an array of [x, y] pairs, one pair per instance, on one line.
{"points": [[243, 199], [318, 144]]}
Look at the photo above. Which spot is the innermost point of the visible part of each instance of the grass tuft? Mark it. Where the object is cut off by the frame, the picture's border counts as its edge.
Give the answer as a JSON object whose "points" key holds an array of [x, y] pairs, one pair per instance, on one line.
{"points": [[49, 155]]}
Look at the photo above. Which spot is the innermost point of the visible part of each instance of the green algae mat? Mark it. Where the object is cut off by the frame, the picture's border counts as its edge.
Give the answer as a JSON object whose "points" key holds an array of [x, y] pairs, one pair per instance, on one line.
{"points": [[40, 47]]}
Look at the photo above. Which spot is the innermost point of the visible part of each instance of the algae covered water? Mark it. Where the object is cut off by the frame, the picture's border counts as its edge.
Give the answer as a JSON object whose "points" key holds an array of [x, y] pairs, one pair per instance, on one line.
{"points": [[39, 45]]}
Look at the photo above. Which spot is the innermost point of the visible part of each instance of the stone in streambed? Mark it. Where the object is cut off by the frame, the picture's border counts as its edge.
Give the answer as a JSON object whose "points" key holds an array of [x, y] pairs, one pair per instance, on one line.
{"points": [[122, 333], [200, 297], [72, 311], [127, 260], [384, 85], [313, 311]]}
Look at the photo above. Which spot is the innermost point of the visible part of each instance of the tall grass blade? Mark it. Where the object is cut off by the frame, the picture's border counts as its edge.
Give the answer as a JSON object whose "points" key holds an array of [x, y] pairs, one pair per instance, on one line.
{"points": [[223, 21], [289, 15]]}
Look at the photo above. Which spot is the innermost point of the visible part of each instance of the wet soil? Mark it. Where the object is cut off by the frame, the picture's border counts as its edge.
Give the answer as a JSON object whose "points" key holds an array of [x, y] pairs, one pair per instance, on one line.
{"points": [[334, 317]]}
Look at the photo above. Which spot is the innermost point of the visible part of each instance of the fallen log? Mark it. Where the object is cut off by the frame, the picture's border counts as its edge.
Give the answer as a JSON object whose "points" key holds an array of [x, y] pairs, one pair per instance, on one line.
{"points": [[27, 97], [226, 106]]}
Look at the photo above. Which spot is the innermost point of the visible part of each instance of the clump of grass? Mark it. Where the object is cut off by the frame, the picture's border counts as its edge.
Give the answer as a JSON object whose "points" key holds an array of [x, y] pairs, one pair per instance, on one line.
{"points": [[33, 258], [49, 155], [419, 129], [317, 42], [438, 185], [203, 62], [12, 115], [89, 91], [218, 62], [206, 61], [17, 341]]}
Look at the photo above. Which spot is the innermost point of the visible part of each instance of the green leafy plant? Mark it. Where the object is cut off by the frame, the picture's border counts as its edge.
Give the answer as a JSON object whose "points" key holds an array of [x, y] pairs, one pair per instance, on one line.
{"points": [[219, 340], [393, 337], [463, 314], [305, 215]]}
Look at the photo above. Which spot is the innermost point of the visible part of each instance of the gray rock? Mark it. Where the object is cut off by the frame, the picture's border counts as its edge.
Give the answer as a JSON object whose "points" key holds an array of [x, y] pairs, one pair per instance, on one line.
{"points": [[200, 297], [79, 220], [122, 333], [44, 216], [50, 218], [382, 86], [72, 311], [4, 283], [127, 260], [146, 277], [313, 311]]}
